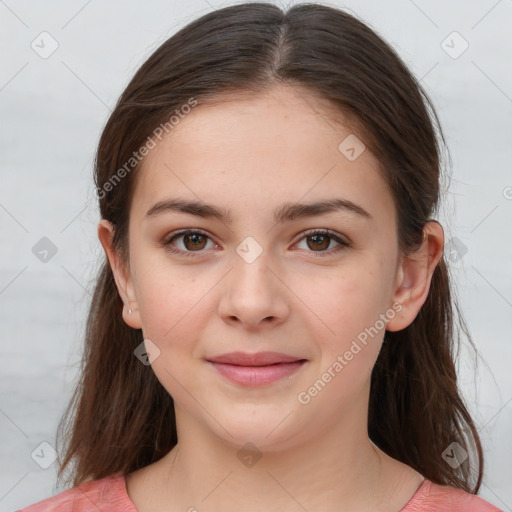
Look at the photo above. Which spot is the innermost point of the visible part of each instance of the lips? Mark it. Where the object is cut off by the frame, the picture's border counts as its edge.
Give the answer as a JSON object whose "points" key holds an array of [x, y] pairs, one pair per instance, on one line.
{"points": [[259, 369], [255, 359]]}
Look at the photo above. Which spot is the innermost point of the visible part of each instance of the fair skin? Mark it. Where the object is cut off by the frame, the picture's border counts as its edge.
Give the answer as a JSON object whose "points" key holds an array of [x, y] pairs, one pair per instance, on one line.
{"points": [[251, 156]]}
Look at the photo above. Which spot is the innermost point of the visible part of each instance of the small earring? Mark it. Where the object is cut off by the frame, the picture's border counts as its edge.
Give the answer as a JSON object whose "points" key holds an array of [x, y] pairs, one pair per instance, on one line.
{"points": [[130, 311]]}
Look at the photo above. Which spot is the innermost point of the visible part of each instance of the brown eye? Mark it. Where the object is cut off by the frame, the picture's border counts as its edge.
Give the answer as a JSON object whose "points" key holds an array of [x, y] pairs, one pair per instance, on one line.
{"points": [[318, 242], [187, 242], [196, 241]]}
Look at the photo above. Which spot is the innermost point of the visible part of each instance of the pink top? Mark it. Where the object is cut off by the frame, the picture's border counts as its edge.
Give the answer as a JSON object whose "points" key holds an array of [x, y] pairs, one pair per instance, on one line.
{"points": [[109, 495]]}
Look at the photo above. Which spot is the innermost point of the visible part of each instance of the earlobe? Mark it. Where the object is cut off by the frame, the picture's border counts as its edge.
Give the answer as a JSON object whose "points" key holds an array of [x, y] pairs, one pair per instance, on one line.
{"points": [[122, 277], [414, 276]]}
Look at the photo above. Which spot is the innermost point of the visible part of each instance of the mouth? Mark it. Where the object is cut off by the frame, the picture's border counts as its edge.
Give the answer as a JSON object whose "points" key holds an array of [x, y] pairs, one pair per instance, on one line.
{"points": [[256, 369]]}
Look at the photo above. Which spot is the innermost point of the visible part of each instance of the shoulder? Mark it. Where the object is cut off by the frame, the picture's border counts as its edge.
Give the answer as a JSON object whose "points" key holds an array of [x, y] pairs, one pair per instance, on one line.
{"points": [[432, 497], [107, 494]]}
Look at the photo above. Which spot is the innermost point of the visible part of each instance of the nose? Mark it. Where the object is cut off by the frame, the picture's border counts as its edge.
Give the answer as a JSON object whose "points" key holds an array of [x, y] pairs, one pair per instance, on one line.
{"points": [[254, 295]]}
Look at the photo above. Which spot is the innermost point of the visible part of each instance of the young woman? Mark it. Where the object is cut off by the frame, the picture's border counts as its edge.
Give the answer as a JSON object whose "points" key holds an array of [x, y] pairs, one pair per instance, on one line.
{"points": [[273, 325]]}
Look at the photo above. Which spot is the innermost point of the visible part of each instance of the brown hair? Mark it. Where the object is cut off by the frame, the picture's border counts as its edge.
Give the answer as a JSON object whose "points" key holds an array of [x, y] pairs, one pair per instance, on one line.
{"points": [[120, 418]]}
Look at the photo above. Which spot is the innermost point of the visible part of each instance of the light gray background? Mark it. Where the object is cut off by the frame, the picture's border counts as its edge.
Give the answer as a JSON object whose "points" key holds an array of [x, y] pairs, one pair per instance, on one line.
{"points": [[52, 111]]}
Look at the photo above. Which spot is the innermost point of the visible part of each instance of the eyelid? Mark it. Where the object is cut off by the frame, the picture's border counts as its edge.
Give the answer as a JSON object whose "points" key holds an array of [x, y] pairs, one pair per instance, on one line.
{"points": [[166, 242], [324, 231]]}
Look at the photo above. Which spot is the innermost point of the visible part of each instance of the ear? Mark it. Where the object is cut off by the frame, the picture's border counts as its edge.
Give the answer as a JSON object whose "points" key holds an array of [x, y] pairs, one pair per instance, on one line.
{"points": [[122, 276], [414, 274]]}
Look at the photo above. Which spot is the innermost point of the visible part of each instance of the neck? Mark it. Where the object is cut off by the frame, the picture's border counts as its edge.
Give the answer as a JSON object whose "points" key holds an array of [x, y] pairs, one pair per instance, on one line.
{"points": [[337, 469]]}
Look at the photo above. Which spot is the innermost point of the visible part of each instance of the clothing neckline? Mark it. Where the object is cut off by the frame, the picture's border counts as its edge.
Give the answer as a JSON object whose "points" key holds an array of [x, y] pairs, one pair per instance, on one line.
{"points": [[123, 492], [424, 486]]}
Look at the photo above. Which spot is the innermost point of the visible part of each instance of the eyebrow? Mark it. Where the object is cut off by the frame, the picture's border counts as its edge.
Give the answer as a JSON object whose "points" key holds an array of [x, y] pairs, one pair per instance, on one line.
{"points": [[287, 212]]}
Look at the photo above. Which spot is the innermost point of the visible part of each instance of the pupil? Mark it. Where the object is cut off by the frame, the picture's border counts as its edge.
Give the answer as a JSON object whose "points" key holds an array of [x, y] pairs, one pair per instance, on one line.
{"points": [[194, 238], [319, 240]]}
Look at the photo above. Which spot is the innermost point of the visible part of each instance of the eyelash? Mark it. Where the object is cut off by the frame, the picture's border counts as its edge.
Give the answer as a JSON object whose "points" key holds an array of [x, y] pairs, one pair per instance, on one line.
{"points": [[311, 232]]}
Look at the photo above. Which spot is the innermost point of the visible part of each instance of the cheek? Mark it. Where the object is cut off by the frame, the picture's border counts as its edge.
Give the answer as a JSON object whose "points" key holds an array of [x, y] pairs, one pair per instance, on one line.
{"points": [[172, 312], [165, 300], [343, 314], [348, 339], [343, 301]]}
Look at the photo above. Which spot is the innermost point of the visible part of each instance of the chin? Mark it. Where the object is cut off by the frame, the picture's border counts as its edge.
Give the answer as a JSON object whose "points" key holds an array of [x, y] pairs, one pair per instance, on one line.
{"points": [[267, 432]]}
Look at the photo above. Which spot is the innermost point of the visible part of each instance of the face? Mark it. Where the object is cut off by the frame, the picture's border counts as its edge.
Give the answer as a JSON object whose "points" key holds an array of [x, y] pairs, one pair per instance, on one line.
{"points": [[318, 285]]}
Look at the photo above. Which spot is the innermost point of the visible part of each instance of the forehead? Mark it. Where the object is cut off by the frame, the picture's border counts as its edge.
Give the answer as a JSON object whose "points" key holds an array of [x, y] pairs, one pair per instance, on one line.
{"points": [[250, 152]]}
